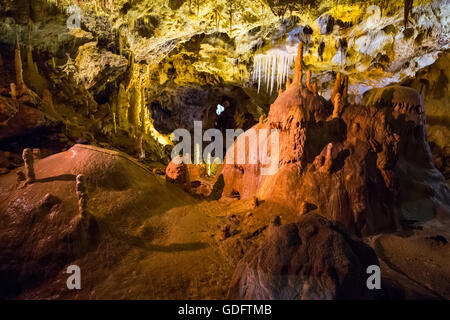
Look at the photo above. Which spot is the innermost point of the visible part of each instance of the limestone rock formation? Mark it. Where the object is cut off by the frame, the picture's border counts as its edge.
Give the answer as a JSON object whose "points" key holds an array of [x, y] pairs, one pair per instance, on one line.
{"points": [[380, 149], [176, 171], [310, 259], [42, 230]]}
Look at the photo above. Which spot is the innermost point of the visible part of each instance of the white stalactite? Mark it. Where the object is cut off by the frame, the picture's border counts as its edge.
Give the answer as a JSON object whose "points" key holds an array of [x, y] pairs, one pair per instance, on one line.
{"points": [[272, 67]]}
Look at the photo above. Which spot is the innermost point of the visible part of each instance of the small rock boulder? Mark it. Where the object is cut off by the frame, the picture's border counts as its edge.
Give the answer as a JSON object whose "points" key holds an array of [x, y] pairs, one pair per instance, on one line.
{"points": [[176, 171]]}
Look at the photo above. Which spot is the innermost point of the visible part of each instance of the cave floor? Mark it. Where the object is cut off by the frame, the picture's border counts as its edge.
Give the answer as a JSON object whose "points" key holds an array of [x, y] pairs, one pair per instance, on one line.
{"points": [[158, 242]]}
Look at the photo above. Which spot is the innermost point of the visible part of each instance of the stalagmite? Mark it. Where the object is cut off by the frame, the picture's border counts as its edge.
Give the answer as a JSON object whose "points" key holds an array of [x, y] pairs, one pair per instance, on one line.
{"points": [[314, 88], [27, 156], [141, 146], [13, 90], [328, 159], [82, 195], [337, 86], [280, 91], [337, 103], [298, 65], [308, 80], [345, 89], [19, 71], [261, 119], [48, 100], [288, 83], [36, 153]]}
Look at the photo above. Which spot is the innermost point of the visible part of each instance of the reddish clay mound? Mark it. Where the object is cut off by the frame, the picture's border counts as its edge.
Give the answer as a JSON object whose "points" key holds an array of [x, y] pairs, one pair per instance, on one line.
{"points": [[42, 230]]}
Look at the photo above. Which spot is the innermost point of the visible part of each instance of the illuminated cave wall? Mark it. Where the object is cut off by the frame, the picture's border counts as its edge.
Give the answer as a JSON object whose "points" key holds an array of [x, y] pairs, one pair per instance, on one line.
{"points": [[132, 58]]}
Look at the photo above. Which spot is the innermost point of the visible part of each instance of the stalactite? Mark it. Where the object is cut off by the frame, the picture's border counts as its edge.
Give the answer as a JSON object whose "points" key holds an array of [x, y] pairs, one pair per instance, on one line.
{"points": [[408, 5], [337, 86], [271, 69], [308, 80], [298, 65]]}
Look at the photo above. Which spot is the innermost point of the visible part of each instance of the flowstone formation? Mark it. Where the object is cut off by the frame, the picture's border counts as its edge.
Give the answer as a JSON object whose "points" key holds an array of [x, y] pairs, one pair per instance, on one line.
{"points": [[361, 164]]}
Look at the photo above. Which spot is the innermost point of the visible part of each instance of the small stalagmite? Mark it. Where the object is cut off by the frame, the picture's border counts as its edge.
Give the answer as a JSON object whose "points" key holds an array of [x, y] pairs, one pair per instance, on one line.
{"points": [[261, 119], [82, 195], [337, 86], [314, 88], [27, 156], [36, 153], [308, 80], [288, 83], [298, 65], [280, 92], [48, 101], [20, 84], [328, 159], [13, 90], [337, 103], [345, 89]]}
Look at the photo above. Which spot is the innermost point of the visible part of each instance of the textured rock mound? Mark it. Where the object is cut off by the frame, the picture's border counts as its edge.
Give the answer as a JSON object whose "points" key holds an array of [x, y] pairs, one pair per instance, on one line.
{"points": [[190, 177], [310, 259], [40, 223], [358, 164], [176, 172]]}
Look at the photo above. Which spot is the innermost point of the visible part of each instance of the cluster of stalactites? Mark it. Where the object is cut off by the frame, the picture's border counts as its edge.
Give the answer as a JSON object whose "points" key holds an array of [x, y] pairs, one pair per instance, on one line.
{"points": [[272, 70]]}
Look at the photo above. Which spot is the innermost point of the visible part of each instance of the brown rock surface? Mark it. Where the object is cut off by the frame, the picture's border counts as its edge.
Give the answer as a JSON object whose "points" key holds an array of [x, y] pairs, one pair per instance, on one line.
{"points": [[310, 259], [40, 225]]}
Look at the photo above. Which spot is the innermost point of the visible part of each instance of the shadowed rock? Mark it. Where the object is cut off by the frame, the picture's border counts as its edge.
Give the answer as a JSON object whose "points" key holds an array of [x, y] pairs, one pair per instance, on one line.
{"points": [[310, 259]]}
